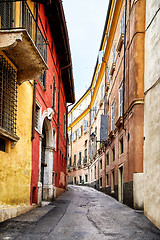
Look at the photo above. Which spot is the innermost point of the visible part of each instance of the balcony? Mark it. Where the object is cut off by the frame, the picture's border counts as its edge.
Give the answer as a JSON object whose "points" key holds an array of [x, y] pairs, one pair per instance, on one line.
{"points": [[112, 69], [22, 40], [119, 122], [120, 43]]}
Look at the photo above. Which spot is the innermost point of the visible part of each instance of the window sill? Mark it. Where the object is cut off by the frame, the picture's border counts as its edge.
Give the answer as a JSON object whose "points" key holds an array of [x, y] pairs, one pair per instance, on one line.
{"points": [[9, 135]]}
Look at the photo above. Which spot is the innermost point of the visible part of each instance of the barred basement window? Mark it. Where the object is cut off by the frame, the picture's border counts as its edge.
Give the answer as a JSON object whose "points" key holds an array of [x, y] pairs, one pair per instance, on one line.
{"points": [[8, 96], [2, 144]]}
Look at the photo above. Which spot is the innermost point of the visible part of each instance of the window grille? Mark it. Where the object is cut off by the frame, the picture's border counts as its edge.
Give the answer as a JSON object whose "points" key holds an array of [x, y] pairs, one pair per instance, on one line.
{"points": [[37, 116], [8, 96]]}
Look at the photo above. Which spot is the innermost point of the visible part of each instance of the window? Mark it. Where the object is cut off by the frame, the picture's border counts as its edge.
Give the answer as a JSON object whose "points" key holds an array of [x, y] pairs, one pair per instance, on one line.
{"points": [[107, 179], [121, 100], [91, 175], [77, 132], [2, 144], [80, 131], [121, 146], [113, 154], [100, 164], [37, 116], [75, 136], [80, 179], [100, 182], [102, 92], [80, 158], [114, 53], [85, 125], [123, 23], [107, 159], [54, 139], [6, 15], [8, 96], [113, 115], [112, 181], [95, 172], [43, 80], [85, 156], [74, 162], [86, 178], [54, 92]]}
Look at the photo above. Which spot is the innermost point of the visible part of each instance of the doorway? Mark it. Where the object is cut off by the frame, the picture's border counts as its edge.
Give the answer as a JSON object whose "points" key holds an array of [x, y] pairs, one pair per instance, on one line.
{"points": [[43, 159], [120, 184]]}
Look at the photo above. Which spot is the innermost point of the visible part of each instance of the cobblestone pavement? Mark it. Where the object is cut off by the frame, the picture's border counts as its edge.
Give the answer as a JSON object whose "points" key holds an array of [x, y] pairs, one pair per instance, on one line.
{"points": [[80, 213]]}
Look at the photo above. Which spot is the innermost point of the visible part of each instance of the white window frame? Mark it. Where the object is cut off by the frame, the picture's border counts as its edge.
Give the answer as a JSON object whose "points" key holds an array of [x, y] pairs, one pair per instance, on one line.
{"points": [[39, 117]]}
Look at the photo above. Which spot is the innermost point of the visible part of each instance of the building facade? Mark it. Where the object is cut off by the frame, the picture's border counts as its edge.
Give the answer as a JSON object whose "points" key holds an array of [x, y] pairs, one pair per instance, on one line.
{"points": [[151, 162], [35, 72]]}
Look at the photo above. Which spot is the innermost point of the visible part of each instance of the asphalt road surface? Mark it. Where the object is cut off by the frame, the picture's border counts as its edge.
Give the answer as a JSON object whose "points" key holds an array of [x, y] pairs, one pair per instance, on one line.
{"points": [[80, 213]]}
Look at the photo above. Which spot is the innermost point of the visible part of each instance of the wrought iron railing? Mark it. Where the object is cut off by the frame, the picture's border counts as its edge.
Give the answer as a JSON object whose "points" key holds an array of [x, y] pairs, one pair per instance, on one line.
{"points": [[17, 15], [8, 96]]}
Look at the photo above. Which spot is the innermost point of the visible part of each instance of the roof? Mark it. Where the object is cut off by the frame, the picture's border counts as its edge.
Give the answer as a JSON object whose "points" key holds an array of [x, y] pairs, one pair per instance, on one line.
{"points": [[56, 18]]}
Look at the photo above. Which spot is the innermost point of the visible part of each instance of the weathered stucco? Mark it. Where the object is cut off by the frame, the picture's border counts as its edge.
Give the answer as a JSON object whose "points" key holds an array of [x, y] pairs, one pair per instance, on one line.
{"points": [[15, 163], [152, 114]]}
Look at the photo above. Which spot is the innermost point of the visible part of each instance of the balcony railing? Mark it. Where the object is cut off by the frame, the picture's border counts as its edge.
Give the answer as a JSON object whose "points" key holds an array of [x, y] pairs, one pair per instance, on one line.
{"points": [[17, 15]]}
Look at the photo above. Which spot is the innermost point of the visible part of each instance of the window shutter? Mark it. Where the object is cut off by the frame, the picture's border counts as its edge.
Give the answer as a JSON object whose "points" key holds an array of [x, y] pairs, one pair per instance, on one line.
{"points": [[114, 53], [108, 74], [102, 92], [121, 100], [104, 128], [113, 116], [77, 132]]}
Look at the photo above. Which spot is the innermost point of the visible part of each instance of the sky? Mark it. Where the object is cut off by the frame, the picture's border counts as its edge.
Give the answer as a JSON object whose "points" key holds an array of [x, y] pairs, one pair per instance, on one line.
{"points": [[85, 23]]}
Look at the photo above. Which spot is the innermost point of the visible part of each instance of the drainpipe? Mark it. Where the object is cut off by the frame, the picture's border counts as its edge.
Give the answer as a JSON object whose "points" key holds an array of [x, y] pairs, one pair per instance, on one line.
{"points": [[33, 110], [59, 76], [124, 60], [67, 136]]}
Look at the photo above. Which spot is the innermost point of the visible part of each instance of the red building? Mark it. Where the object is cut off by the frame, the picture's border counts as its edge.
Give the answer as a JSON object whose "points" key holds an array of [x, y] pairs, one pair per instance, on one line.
{"points": [[52, 91]]}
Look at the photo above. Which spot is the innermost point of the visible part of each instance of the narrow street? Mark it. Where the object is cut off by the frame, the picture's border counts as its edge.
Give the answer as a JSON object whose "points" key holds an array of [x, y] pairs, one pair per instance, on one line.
{"points": [[80, 213]]}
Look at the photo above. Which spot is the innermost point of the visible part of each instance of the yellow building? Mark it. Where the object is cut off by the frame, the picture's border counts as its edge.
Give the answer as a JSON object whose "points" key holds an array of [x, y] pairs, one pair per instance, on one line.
{"points": [[19, 49]]}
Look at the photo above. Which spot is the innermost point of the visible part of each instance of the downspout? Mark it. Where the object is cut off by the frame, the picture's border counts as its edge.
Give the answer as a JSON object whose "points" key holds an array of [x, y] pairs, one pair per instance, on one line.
{"points": [[124, 61], [67, 137], [33, 110]]}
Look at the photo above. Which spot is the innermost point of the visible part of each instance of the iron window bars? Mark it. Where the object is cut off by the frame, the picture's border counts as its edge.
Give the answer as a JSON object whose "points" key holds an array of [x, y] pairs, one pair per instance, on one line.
{"points": [[25, 20], [8, 96]]}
